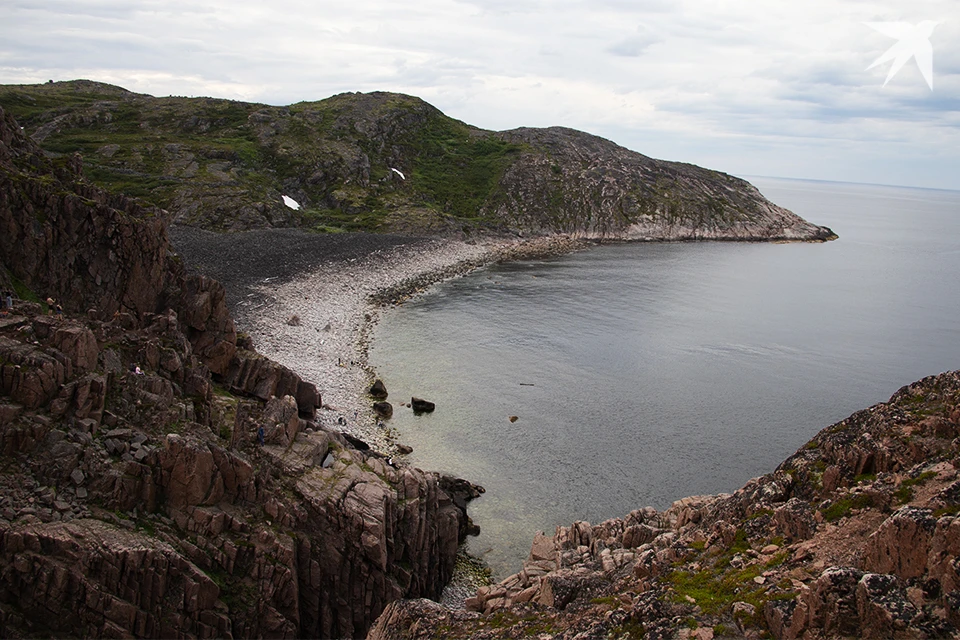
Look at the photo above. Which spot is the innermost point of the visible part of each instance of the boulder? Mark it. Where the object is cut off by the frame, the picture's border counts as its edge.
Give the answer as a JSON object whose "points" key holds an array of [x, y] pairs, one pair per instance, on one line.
{"points": [[281, 420], [422, 406], [883, 607], [901, 545], [383, 409], [79, 344], [207, 321], [378, 390]]}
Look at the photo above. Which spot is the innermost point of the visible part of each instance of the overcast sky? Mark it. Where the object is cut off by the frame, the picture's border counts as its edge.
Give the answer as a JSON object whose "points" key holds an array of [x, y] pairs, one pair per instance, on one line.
{"points": [[749, 87]]}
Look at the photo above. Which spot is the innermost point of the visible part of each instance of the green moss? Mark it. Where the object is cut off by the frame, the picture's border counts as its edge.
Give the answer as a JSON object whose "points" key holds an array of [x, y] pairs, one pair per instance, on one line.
{"points": [[456, 168], [777, 560], [843, 506], [631, 630], [606, 600], [23, 292], [904, 492]]}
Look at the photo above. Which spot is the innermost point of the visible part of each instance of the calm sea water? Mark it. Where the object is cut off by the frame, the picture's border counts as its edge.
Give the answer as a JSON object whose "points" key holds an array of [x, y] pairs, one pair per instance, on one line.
{"points": [[643, 373]]}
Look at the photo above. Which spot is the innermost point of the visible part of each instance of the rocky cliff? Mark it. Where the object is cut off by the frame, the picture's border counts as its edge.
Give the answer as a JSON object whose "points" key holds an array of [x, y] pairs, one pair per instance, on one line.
{"points": [[855, 535], [384, 162], [135, 499]]}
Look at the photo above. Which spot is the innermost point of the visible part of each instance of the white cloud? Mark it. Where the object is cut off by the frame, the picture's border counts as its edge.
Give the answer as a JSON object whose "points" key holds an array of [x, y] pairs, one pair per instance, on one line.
{"points": [[747, 86]]}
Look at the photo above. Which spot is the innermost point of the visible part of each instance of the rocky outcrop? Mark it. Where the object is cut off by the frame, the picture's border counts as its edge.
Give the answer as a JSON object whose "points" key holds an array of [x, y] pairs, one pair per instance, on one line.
{"points": [[71, 240], [855, 535], [571, 182], [135, 499], [100, 580]]}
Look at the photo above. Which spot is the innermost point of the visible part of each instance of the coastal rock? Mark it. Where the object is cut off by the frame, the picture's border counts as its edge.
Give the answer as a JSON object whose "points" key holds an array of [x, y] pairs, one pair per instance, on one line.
{"points": [[378, 390], [883, 607], [80, 345], [106, 580], [282, 420], [818, 560], [194, 473], [901, 545], [383, 409], [28, 375], [422, 406], [73, 242]]}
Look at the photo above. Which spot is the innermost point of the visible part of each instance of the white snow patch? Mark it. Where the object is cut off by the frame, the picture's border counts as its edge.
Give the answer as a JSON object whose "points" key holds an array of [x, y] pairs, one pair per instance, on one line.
{"points": [[290, 202], [399, 173]]}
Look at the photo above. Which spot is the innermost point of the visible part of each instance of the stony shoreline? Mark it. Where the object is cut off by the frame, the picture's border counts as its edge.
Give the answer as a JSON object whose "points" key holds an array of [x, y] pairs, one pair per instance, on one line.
{"points": [[320, 323]]}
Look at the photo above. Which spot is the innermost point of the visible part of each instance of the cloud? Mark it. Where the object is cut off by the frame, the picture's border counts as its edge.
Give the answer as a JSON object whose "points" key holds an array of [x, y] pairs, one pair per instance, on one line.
{"points": [[717, 80], [634, 45]]}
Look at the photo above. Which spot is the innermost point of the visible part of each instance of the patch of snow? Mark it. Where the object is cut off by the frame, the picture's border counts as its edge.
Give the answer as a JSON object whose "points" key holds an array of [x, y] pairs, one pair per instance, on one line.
{"points": [[290, 202], [399, 173]]}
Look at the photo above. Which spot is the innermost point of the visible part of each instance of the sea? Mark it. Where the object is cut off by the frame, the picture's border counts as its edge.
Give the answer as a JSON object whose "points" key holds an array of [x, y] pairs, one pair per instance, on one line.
{"points": [[585, 386]]}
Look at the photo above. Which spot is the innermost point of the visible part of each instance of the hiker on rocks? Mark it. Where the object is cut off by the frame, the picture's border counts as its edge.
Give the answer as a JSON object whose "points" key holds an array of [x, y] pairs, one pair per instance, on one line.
{"points": [[8, 296], [260, 435], [59, 311]]}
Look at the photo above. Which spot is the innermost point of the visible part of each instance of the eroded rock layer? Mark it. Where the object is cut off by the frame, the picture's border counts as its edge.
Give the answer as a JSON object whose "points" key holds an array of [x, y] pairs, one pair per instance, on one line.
{"points": [[158, 477]]}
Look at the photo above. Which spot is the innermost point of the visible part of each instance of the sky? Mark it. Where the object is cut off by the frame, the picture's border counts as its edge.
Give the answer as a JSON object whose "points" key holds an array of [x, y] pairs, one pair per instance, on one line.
{"points": [[749, 87]]}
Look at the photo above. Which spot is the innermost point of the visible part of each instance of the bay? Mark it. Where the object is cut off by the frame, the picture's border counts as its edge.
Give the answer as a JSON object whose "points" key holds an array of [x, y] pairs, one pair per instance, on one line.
{"points": [[643, 373]]}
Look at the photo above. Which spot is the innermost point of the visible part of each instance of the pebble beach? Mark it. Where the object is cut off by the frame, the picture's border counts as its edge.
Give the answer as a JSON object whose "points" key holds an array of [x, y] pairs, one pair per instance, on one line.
{"points": [[313, 310]]}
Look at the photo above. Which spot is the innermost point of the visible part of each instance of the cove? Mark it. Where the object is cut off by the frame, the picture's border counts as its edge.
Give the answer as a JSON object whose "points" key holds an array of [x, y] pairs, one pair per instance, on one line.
{"points": [[643, 373]]}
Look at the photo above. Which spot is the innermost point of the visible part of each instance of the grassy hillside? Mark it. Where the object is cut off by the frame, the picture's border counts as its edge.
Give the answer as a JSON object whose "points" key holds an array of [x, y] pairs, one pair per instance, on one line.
{"points": [[380, 162], [224, 164]]}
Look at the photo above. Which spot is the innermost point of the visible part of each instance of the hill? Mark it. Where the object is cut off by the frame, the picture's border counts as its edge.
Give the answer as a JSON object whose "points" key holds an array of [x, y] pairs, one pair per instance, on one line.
{"points": [[382, 162]]}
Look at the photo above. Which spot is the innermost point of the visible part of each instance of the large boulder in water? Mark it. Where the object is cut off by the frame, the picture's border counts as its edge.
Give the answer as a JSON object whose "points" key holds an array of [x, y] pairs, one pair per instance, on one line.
{"points": [[422, 406]]}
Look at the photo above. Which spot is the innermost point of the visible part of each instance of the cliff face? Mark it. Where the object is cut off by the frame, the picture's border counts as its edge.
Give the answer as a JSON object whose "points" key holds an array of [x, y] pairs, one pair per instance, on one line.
{"points": [[855, 535], [384, 162], [72, 240], [138, 501]]}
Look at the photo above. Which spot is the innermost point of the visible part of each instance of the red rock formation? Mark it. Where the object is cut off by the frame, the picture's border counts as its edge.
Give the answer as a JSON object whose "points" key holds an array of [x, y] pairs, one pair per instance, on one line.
{"points": [[134, 500]]}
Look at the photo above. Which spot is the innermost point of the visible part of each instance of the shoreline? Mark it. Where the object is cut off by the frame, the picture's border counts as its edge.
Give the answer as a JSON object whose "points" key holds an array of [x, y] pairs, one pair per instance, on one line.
{"points": [[321, 323]]}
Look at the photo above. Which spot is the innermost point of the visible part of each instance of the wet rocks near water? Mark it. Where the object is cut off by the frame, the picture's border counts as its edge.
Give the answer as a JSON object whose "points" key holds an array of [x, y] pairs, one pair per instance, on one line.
{"points": [[422, 406], [379, 390], [383, 409]]}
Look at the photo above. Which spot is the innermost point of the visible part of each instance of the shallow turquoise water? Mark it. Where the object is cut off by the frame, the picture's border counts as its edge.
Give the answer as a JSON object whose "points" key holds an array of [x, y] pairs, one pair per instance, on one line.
{"points": [[643, 373]]}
